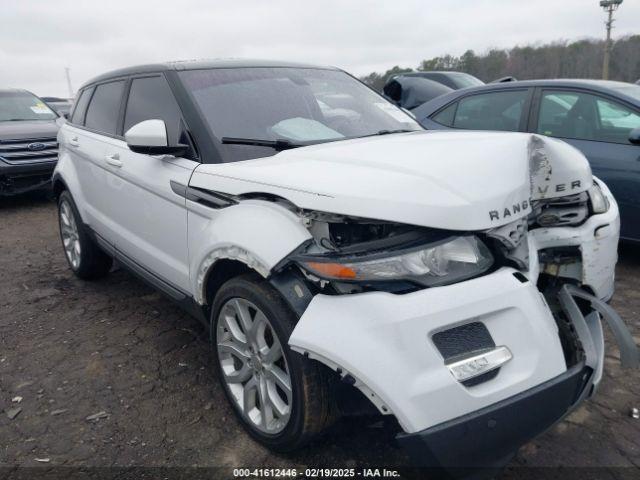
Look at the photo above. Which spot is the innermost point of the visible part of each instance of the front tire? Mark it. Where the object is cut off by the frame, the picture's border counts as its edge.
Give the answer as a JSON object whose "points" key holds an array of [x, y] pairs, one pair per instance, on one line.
{"points": [[281, 398], [85, 258]]}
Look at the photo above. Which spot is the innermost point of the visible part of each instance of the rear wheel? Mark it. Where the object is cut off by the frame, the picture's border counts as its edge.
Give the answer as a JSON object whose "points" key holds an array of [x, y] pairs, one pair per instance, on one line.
{"points": [[281, 397], [85, 258]]}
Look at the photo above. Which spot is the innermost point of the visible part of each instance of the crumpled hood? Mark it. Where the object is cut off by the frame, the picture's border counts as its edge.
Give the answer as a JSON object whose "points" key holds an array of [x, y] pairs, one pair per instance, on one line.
{"points": [[449, 180]]}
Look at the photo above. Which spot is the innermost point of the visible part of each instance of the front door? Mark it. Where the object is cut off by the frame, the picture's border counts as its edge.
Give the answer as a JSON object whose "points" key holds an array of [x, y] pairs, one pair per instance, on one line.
{"points": [[152, 218]]}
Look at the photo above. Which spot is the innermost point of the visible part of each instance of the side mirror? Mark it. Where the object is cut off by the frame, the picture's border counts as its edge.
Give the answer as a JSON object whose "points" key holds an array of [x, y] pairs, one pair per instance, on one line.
{"points": [[150, 138], [634, 136]]}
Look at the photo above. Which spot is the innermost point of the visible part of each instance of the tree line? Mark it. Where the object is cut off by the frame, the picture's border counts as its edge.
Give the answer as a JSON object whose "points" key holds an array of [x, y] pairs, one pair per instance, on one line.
{"points": [[562, 59]]}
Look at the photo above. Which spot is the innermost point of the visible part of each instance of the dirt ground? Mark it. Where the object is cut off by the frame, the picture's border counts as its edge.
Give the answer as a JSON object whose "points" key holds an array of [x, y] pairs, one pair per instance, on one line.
{"points": [[71, 349]]}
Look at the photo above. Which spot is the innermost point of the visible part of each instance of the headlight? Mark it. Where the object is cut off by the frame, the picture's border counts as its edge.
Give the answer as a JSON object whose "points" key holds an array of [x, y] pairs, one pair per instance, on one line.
{"points": [[599, 203], [449, 261]]}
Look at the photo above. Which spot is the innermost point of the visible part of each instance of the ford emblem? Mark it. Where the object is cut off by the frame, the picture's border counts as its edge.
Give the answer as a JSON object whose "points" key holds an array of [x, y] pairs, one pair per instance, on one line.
{"points": [[36, 146]]}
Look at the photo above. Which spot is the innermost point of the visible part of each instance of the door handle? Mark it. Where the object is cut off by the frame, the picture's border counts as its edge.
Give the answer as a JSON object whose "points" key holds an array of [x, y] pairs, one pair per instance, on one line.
{"points": [[113, 160], [74, 142]]}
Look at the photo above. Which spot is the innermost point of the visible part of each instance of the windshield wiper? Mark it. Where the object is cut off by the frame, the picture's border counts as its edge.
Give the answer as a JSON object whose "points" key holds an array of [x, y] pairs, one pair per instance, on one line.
{"points": [[387, 132], [279, 144]]}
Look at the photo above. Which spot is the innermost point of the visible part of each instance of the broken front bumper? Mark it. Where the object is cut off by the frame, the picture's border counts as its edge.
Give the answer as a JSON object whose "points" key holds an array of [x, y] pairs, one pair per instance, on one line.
{"points": [[488, 438], [597, 240], [385, 343], [508, 424]]}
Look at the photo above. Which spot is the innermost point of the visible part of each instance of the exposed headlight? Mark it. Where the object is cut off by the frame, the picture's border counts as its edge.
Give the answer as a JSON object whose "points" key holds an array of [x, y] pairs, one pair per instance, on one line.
{"points": [[449, 261], [599, 203]]}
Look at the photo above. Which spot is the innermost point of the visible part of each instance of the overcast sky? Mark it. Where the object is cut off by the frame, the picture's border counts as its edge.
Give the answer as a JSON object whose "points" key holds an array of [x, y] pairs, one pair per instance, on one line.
{"points": [[39, 38]]}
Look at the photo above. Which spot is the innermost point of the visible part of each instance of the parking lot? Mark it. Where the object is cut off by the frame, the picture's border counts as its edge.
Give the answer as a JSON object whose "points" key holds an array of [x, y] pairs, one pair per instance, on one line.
{"points": [[110, 373]]}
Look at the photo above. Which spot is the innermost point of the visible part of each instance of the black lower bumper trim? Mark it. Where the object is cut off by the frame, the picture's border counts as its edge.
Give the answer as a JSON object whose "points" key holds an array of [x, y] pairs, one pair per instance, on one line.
{"points": [[487, 439], [16, 179]]}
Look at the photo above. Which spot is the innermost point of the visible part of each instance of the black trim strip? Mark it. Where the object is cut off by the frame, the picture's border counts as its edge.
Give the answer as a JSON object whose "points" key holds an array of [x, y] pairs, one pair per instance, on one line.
{"points": [[149, 277], [178, 188], [208, 198], [204, 197]]}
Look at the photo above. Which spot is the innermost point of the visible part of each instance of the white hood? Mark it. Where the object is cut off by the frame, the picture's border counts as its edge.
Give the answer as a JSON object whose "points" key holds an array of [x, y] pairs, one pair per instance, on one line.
{"points": [[449, 180]]}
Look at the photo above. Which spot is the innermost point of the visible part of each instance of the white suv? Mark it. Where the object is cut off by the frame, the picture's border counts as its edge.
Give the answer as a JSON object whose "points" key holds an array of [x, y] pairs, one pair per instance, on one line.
{"points": [[344, 257]]}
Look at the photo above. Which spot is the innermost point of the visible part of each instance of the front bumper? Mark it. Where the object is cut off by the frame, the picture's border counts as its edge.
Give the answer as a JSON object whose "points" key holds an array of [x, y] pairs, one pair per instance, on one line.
{"points": [[508, 424], [384, 342], [20, 178], [488, 438]]}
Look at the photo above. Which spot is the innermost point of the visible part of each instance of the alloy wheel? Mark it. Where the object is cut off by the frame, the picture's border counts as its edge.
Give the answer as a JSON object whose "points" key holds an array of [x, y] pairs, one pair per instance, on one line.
{"points": [[70, 234], [253, 365]]}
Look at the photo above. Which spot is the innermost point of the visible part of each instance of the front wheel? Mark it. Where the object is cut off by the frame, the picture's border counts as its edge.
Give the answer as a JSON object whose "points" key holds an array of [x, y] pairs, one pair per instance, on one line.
{"points": [[280, 397], [85, 258]]}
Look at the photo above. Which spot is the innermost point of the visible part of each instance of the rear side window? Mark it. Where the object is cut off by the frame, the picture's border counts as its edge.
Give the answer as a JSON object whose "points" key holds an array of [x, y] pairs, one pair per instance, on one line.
{"points": [[151, 98], [446, 116], [487, 111], [102, 114], [81, 106]]}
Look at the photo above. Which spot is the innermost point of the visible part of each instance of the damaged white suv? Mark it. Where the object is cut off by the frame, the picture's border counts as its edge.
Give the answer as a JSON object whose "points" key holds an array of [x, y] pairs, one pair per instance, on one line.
{"points": [[344, 259]]}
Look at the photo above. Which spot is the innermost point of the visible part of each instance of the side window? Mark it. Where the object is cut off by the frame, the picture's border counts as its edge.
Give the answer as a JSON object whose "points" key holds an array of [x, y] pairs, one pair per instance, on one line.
{"points": [[102, 114], [446, 116], [151, 98], [81, 106], [491, 111], [616, 121], [567, 114]]}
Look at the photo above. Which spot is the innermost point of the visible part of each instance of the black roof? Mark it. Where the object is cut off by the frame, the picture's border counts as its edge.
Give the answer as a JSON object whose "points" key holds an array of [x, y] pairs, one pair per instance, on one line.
{"points": [[200, 65]]}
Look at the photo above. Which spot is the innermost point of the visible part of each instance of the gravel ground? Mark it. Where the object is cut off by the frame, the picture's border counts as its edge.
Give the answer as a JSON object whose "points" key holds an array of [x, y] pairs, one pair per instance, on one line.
{"points": [[119, 351]]}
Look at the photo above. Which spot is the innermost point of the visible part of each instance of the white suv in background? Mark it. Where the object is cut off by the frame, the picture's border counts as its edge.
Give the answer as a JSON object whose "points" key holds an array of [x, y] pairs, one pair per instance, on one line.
{"points": [[343, 256]]}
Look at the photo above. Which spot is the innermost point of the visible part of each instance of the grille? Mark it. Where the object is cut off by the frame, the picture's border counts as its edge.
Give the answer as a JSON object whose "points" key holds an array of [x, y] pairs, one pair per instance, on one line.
{"points": [[29, 150], [462, 341]]}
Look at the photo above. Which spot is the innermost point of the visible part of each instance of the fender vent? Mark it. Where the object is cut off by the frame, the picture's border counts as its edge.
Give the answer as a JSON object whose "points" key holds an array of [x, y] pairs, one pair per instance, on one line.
{"points": [[462, 341]]}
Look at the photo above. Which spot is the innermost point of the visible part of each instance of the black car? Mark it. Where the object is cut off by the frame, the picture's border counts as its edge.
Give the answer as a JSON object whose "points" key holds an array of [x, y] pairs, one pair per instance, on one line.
{"points": [[453, 80], [411, 92], [600, 118], [28, 144]]}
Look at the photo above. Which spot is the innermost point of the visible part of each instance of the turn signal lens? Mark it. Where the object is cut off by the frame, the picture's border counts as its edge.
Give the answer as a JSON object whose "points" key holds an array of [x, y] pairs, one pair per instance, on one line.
{"points": [[331, 270]]}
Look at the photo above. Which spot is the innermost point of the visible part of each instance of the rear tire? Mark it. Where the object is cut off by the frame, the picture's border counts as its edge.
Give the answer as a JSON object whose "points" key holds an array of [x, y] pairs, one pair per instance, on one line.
{"points": [[249, 322], [84, 257]]}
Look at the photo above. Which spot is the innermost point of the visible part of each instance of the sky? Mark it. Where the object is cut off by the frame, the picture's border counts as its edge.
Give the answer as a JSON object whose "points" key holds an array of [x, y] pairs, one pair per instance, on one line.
{"points": [[39, 38]]}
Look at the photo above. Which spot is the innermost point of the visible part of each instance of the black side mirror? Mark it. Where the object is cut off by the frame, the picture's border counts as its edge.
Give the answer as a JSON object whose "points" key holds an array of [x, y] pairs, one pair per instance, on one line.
{"points": [[634, 136]]}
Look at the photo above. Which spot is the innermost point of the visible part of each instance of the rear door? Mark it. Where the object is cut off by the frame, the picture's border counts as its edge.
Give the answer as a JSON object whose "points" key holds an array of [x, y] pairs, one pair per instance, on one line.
{"points": [[94, 129], [599, 126], [152, 218]]}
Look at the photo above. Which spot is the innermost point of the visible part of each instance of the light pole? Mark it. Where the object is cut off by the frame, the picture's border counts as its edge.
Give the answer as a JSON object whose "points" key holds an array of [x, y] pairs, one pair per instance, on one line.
{"points": [[67, 71], [609, 6]]}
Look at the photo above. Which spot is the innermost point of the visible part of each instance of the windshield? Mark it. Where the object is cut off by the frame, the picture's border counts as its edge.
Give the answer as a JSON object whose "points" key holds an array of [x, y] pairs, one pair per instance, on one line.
{"points": [[464, 80], [294, 104], [22, 106]]}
